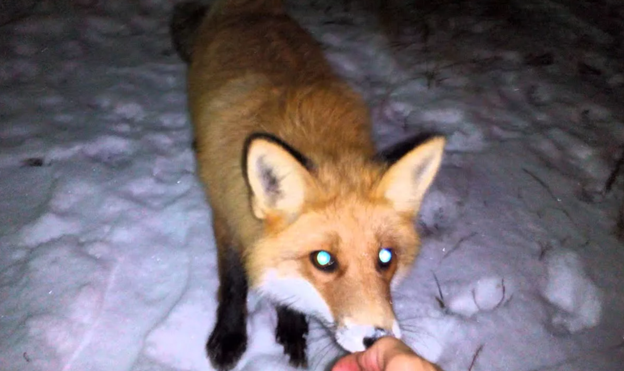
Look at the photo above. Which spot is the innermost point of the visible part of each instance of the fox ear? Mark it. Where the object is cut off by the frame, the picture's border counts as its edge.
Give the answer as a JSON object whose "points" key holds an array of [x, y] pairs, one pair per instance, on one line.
{"points": [[404, 184], [277, 177]]}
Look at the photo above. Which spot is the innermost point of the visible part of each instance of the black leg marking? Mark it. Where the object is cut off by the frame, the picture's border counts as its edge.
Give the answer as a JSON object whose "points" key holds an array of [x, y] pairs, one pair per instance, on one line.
{"points": [[228, 340], [291, 331]]}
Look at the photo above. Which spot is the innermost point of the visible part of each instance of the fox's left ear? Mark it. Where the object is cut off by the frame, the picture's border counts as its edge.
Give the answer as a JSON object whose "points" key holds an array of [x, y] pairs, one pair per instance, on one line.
{"points": [[277, 176], [404, 184]]}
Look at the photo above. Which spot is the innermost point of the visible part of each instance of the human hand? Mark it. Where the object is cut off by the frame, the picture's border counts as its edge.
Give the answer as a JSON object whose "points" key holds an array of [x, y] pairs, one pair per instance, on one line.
{"points": [[387, 354]]}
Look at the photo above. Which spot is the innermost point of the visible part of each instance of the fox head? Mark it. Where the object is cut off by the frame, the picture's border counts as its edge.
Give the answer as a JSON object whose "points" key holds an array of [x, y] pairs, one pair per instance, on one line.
{"points": [[337, 236]]}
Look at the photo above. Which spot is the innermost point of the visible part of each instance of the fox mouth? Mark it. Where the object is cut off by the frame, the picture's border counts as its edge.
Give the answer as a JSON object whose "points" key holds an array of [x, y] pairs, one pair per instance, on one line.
{"points": [[357, 338]]}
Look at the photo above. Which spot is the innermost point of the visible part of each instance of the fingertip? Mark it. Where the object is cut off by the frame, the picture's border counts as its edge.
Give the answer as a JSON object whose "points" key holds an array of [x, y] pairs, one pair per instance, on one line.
{"points": [[388, 342]]}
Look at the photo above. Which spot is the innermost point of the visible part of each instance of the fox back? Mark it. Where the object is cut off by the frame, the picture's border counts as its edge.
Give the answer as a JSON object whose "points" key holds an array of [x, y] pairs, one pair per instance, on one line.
{"points": [[303, 211]]}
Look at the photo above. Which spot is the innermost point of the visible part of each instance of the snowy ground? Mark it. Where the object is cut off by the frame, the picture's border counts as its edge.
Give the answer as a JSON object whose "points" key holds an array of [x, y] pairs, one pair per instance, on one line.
{"points": [[106, 254]]}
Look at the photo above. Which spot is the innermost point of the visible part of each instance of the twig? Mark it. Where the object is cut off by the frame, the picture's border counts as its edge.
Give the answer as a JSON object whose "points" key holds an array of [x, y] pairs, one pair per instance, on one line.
{"points": [[620, 223], [562, 209], [614, 173], [542, 183], [458, 244], [474, 298], [545, 249], [474, 358], [440, 298], [504, 294], [550, 192]]}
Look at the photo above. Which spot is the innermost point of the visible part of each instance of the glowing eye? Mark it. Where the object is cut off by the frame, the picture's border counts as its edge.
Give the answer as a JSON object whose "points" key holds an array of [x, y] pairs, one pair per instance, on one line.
{"points": [[323, 260], [385, 257]]}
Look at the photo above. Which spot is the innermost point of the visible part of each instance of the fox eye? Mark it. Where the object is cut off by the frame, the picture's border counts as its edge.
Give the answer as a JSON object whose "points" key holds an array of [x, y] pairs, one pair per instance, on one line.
{"points": [[323, 261], [385, 258]]}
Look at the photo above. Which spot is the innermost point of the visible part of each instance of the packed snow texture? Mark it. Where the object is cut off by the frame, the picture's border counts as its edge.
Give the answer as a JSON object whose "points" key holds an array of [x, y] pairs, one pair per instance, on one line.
{"points": [[107, 260]]}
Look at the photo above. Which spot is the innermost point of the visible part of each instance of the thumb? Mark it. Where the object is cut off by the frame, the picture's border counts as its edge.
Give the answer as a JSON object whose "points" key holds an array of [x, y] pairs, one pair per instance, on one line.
{"points": [[395, 355], [373, 359], [360, 361], [386, 354]]}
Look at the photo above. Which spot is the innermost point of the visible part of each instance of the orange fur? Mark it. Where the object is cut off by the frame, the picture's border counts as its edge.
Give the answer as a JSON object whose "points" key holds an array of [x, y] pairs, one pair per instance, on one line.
{"points": [[255, 70]]}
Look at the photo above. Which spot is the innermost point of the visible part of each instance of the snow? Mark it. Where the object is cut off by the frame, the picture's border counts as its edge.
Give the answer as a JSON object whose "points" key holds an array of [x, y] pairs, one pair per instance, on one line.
{"points": [[107, 260], [487, 294], [572, 293]]}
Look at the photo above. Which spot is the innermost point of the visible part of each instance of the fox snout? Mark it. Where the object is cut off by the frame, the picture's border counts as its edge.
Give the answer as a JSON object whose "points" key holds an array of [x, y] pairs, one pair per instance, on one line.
{"points": [[379, 333], [363, 313], [356, 337]]}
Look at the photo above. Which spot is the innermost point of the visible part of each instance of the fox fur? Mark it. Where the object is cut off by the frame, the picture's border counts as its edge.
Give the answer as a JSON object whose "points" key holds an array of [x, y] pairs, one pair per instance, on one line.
{"points": [[285, 151]]}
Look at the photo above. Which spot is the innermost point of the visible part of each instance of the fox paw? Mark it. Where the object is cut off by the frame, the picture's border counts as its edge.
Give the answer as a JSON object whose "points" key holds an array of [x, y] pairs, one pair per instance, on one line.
{"points": [[225, 347]]}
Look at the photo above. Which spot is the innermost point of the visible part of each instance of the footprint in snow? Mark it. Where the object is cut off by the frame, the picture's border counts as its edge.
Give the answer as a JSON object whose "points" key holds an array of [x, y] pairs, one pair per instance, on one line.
{"points": [[572, 293], [484, 295]]}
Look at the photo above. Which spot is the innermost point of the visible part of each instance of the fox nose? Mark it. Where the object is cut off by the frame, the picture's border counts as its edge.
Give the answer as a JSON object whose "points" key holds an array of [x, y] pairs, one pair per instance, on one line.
{"points": [[370, 340]]}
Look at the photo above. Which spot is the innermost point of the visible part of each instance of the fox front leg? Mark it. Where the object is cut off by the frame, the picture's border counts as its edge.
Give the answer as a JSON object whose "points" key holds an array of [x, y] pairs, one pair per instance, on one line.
{"points": [[228, 340]]}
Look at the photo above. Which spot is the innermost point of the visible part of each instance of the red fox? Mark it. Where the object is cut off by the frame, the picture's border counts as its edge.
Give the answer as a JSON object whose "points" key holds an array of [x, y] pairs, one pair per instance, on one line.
{"points": [[304, 212]]}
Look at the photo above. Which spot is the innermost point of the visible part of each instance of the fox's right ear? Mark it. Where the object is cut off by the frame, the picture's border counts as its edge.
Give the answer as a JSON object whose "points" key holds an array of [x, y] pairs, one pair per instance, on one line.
{"points": [[277, 177]]}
